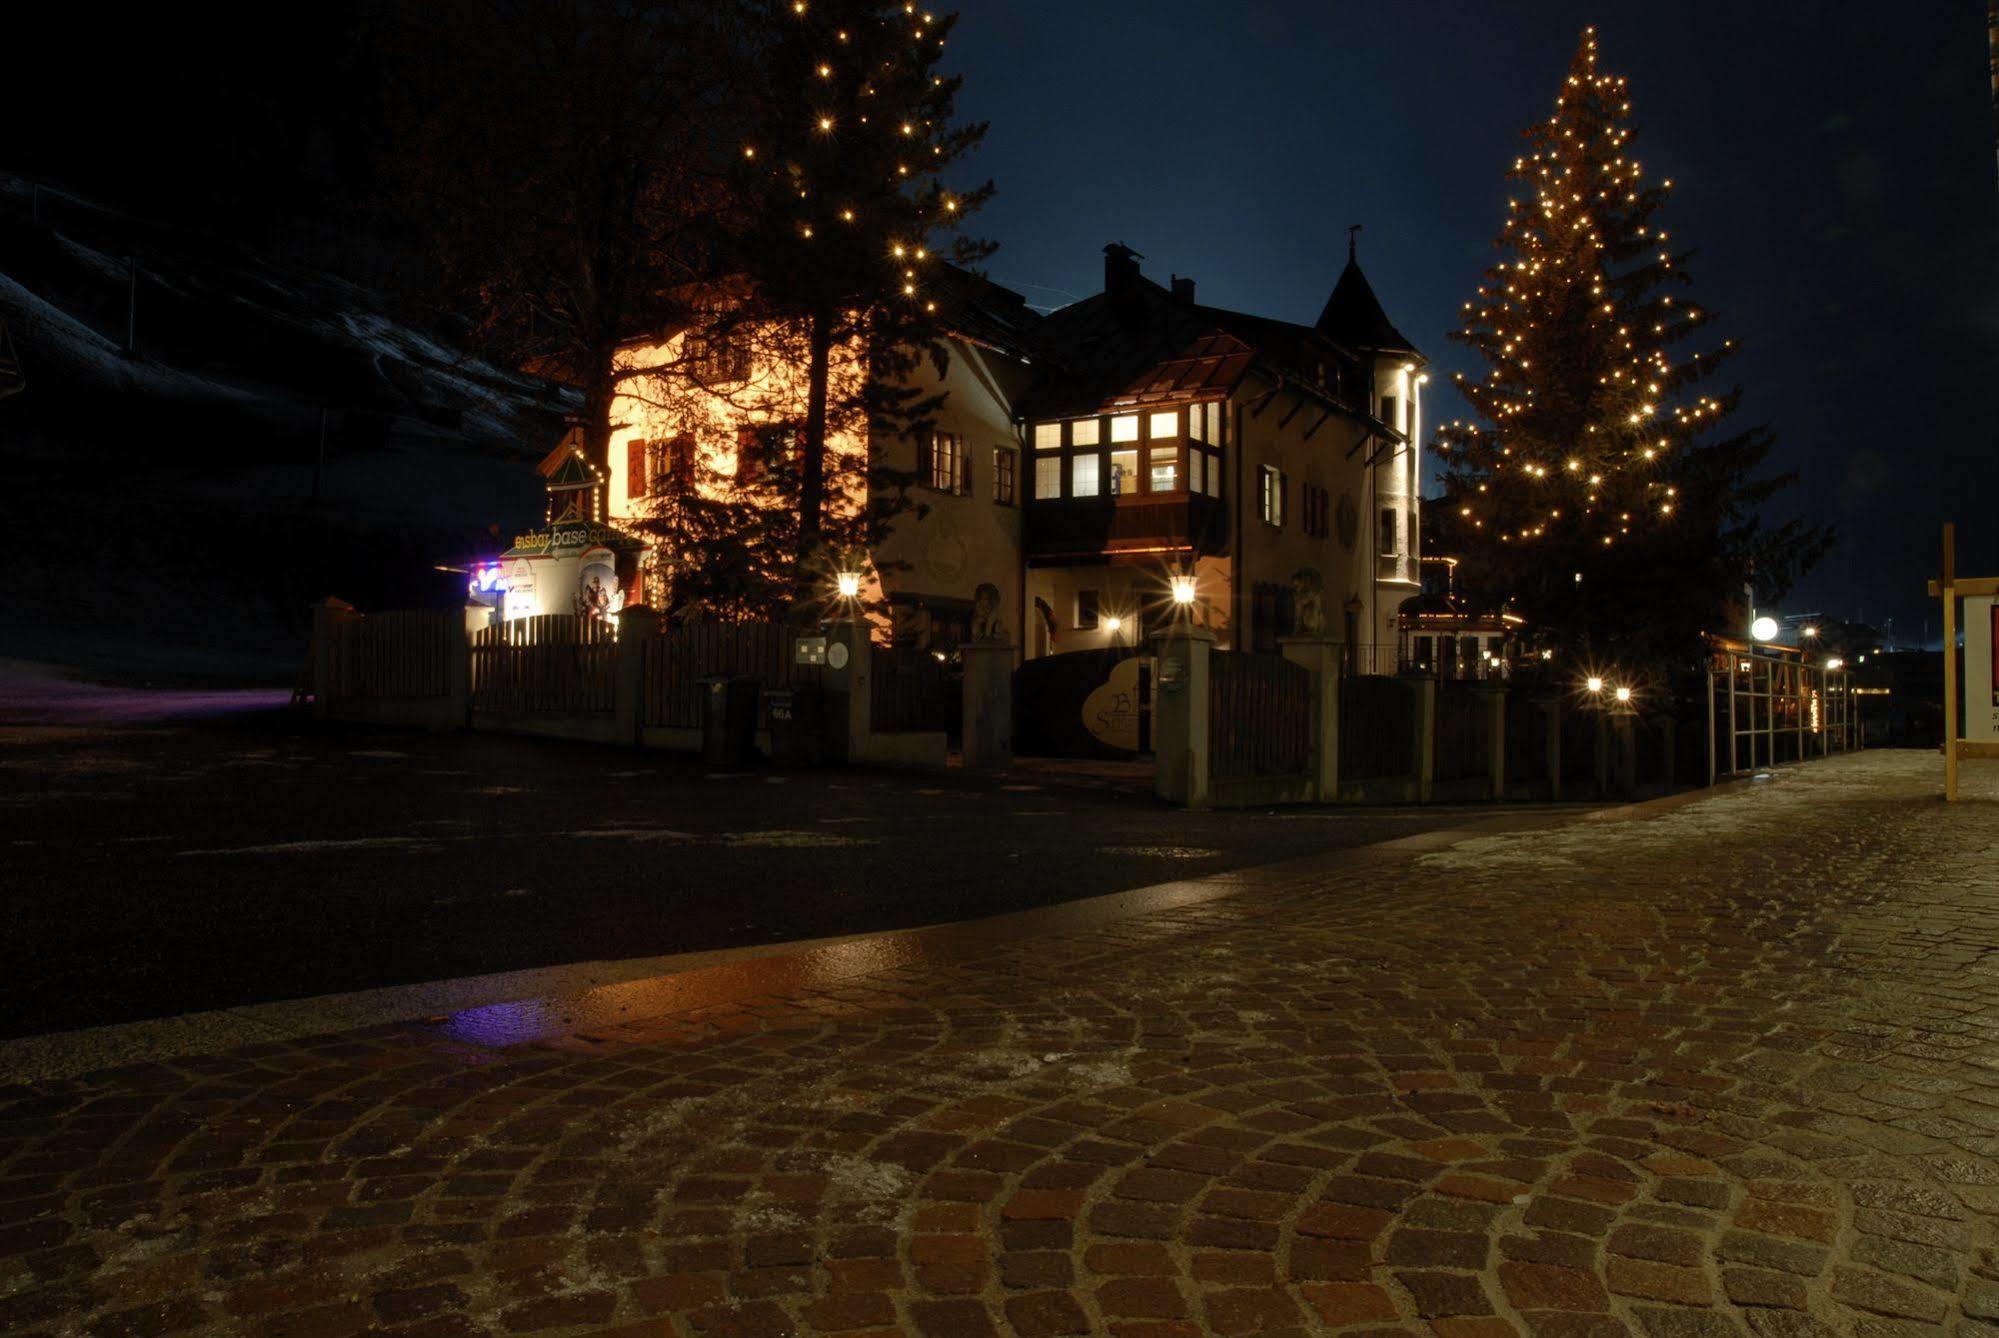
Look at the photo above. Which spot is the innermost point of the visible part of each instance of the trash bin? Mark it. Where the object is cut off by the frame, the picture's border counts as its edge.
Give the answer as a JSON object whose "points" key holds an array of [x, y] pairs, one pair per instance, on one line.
{"points": [[728, 720], [797, 729]]}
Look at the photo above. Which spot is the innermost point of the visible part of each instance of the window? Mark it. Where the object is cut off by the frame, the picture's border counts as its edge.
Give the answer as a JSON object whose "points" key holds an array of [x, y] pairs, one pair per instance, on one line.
{"points": [[717, 358], [1317, 507], [1214, 475], [1085, 475], [1164, 424], [749, 454], [1197, 471], [1388, 545], [1083, 432], [1124, 470], [635, 468], [1270, 499], [1124, 427], [1165, 475], [1086, 609], [944, 466], [1047, 476], [1047, 436], [1389, 412], [1197, 415], [1006, 461], [678, 464]]}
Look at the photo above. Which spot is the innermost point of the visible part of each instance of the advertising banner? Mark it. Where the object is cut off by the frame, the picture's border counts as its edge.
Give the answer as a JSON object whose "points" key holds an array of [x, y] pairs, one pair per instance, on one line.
{"points": [[1981, 668]]}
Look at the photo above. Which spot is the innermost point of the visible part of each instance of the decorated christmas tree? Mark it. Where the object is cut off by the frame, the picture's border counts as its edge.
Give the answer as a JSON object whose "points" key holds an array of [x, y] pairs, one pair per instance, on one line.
{"points": [[1598, 485]]}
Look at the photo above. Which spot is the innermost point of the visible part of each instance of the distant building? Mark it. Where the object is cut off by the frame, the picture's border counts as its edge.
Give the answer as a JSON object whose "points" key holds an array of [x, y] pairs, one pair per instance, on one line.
{"points": [[1087, 459]]}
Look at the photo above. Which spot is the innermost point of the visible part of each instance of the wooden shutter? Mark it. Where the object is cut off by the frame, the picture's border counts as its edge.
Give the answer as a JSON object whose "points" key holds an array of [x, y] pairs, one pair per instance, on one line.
{"points": [[926, 458], [635, 469]]}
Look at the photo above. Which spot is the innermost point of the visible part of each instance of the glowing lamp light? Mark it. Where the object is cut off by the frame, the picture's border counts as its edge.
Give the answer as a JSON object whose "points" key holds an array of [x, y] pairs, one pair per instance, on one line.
{"points": [[1835, 663], [849, 584], [1183, 590], [1113, 623], [1812, 632], [1764, 628], [1622, 694], [1594, 684]]}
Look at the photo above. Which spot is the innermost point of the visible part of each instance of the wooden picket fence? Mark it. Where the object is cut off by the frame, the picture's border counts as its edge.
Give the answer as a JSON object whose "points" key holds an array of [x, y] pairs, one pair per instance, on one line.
{"points": [[1259, 716], [1377, 728], [398, 654], [1461, 732], [551, 662], [679, 657]]}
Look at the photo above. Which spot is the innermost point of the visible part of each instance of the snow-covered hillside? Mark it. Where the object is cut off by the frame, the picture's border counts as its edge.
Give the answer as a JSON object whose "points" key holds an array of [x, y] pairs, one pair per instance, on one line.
{"points": [[273, 435]]}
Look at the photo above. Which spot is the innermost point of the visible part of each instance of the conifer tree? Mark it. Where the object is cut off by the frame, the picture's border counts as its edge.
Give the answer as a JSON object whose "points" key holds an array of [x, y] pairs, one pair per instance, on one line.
{"points": [[1598, 486], [846, 217]]}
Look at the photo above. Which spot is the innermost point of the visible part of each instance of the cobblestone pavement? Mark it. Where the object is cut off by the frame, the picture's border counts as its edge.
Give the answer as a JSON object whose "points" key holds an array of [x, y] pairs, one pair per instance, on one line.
{"points": [[1733, 1068]]}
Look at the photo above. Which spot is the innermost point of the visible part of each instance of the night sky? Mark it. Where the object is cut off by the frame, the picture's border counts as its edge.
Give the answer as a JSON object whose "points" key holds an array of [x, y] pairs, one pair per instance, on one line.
{"points": [[1833, 168]]}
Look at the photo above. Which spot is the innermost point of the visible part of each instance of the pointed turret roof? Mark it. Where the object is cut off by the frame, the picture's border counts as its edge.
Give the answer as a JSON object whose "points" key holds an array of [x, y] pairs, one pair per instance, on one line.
{"points": [[1353, 314]]}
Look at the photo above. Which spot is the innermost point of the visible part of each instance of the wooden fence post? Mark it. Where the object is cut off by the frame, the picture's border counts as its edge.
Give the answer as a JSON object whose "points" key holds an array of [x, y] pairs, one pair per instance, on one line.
{"points": [[1183, 770], [1322, 657], [328, 617]]}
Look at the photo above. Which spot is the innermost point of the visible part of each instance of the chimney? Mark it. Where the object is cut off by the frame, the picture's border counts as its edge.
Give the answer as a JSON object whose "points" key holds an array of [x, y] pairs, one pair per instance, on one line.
{"points": [[1120, 266], [1183, 289]]}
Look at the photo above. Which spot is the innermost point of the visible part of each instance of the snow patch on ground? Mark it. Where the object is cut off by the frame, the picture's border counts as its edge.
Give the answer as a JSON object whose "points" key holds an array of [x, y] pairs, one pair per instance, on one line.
{"points": [[1737, 814]]}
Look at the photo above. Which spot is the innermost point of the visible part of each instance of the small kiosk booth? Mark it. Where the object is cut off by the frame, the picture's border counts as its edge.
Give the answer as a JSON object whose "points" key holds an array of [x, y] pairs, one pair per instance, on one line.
{"points": [[574, 564], [1979, 690]]}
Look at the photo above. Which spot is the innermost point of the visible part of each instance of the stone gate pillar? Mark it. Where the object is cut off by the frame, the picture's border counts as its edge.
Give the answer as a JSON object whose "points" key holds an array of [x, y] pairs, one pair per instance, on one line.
{"points": [[988, 721], [1322, 657], [849, 680], [1183, 773]]}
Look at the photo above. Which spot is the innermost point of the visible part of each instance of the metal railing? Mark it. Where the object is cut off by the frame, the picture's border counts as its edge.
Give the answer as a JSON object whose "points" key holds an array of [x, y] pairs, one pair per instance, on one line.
{"points": [[1765, 710]]}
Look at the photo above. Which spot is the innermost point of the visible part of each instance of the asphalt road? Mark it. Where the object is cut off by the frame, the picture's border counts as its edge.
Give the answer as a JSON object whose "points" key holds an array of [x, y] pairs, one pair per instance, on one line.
{"points": [[157, 869]]}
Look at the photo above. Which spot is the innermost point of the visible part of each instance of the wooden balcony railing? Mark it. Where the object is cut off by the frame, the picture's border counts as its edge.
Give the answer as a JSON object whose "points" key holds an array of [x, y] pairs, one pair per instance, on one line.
{"points": [[1097, 526]]}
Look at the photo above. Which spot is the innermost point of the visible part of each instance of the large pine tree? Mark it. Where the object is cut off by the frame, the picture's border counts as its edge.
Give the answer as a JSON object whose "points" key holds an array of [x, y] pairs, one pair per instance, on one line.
{"points": [[847, 214], [1597, 486]]}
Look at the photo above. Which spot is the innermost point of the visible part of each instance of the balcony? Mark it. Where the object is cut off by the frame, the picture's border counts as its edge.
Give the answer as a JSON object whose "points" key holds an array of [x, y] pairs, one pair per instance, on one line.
{"points": [[1084, 528]]}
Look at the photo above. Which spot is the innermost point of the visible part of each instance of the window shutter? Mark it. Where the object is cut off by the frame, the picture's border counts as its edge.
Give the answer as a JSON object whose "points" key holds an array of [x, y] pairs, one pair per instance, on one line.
{"points": [[1283, 496], [926, 456], [635, 469]]}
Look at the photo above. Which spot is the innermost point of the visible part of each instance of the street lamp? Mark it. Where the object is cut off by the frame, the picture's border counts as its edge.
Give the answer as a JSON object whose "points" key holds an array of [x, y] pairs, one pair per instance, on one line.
{"points": [[1594, 684], [849, 583], [1183, 590], [1812, 633], [1623, 694], [1764, 628]]}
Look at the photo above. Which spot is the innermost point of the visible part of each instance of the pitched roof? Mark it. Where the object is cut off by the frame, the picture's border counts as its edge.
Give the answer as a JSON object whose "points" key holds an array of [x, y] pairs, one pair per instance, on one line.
{"points": [[1139, 344], [1354, 317]]}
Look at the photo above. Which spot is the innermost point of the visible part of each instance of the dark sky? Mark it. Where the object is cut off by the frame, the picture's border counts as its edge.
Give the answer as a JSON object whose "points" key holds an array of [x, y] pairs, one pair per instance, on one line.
{"points": [[1833, 166]]}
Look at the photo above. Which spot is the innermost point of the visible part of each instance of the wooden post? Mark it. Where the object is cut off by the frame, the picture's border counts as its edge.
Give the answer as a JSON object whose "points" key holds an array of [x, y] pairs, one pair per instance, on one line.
{"points": [[1950, 683]]}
